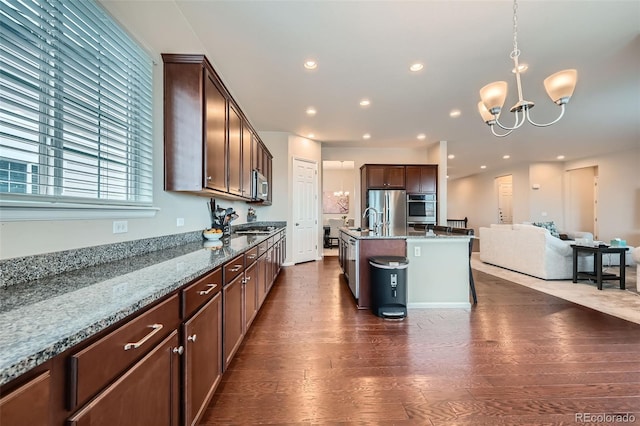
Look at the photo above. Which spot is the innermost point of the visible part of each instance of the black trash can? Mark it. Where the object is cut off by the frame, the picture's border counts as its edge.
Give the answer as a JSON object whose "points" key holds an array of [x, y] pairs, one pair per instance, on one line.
{"points": [[389, 286]]}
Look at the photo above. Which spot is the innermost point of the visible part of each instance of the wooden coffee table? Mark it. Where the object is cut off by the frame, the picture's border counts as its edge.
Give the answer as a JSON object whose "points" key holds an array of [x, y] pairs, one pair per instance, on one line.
{"points": [[597, 273]]}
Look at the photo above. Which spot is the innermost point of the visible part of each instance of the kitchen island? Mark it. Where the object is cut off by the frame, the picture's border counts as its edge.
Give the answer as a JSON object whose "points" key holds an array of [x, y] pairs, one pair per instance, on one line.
{"points": [[438, 273]]}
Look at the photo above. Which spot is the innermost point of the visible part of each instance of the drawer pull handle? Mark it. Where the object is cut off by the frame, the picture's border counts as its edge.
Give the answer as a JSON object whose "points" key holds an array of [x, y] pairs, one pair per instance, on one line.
{"points": [[192, 338], [205, 292], [179, 350], [251, 257], [156, 328], [236, 268]]}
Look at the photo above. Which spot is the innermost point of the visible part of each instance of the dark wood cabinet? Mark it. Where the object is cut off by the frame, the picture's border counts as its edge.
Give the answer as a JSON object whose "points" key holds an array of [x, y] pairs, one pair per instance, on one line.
{"points": [[234, 162], [28, 405], [209, 144], [250, 294], [146, 395], [422, 178], [202, 341], [215, 143], [384, 176], [233, 308], [247, 138]]}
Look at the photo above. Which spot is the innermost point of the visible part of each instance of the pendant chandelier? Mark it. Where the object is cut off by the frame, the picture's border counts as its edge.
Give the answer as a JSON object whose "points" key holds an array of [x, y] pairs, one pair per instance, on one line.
{"points": [[559, 87], [341, 193]]}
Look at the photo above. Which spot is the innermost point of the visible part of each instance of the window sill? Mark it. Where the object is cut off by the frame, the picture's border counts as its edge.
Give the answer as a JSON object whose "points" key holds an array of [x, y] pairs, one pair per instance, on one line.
{"points": [[23, 211]]}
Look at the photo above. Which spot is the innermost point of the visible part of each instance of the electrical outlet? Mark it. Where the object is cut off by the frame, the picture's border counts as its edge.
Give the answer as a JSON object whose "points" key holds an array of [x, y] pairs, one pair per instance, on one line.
{"points": [[543, 214], [180, 221], [417, 251], [120, 226]]}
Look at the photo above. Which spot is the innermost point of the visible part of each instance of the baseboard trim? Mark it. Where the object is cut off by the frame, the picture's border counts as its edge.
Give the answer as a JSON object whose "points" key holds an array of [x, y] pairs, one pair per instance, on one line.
{"points": [[439, 305]]}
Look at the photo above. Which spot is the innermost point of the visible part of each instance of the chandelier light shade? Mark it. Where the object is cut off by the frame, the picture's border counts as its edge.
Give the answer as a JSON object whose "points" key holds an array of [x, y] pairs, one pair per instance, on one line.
{"points": [[493, 96], [559, 87]]}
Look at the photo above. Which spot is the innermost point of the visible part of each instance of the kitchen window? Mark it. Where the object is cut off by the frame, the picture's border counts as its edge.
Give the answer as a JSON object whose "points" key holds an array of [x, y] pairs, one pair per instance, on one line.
{"points": [[76, 110]]}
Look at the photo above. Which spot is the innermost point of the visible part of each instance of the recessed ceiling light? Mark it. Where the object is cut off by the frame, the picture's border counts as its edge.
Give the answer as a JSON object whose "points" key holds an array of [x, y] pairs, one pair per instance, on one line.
{"points": [[455, 113], [366, 136], [310, 64], [422, 136], [365, 102], [311, 135], [311, 111], [521, 67], [506, 157], [416, 67], [560, 157], [483, 167], [451, 156]]}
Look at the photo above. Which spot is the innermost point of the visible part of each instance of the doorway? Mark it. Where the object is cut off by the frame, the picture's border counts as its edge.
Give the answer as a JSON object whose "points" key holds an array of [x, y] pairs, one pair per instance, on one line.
{"points": [[581, 201], [504, 189], [338, 201], [305, 210]]}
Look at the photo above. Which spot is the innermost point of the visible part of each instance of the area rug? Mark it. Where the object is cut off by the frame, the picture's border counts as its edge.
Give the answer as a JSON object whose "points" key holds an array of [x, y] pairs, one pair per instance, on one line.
{"points": [[611, 300]]}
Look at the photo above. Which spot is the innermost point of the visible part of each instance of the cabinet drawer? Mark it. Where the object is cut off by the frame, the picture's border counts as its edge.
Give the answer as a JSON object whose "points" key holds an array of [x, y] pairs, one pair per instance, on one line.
{"points": [[233, 268], [29, 404], [201, 291], [251, 256], [98, 364]]}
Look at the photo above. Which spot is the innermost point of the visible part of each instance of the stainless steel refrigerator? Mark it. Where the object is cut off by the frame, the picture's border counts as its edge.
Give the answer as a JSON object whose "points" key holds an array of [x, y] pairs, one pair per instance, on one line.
{"points": [[392, 206]]}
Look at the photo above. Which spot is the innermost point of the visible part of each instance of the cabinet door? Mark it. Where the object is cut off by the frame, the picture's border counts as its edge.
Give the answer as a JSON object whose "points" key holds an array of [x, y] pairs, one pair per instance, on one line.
{"points": [[235, 150], [250, 295], [28, 405], [215, 136], [146, 395], [246, 160], [256, 152], [422, 179], [262, 281], [202, 342], [233, 319], [385, 177]]}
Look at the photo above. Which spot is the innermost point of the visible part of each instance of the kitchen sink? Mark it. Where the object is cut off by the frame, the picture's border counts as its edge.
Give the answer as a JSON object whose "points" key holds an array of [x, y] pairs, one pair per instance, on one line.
{"points": [[258, 230]]}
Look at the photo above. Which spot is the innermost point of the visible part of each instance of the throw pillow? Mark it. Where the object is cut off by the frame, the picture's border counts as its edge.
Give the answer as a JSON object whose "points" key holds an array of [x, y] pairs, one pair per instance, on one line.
{"points": [[550, 226]]}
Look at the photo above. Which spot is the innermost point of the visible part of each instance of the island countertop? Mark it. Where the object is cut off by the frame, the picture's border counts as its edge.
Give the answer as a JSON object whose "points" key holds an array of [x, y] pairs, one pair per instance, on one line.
{"points": [[362, 234], [45, 317]]}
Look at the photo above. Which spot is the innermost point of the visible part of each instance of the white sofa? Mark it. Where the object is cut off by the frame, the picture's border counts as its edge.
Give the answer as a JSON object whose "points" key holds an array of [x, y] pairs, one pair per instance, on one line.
{"points": [[531, 250], [635, 254]]}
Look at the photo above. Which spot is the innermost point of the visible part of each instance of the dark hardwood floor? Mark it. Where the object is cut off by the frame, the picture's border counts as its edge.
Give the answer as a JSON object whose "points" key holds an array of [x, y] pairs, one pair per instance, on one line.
{"points": [[520, 357]]}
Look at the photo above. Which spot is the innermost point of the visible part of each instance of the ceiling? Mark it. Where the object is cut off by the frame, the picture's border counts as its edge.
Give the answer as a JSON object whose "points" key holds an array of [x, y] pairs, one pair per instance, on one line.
{"points": [[364, 50]]}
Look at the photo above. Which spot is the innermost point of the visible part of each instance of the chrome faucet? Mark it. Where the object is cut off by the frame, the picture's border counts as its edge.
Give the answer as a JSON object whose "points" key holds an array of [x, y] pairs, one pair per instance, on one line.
{"points": [[376, 224]]}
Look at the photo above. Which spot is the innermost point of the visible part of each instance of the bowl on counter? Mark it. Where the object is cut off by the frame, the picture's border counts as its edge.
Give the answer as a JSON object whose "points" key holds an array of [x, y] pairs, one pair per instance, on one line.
{"points": [[212, 234]]}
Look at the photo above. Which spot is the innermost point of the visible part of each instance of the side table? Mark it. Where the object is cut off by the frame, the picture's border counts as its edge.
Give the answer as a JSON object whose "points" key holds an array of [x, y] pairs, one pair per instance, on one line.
{"points": [[597, 273]]}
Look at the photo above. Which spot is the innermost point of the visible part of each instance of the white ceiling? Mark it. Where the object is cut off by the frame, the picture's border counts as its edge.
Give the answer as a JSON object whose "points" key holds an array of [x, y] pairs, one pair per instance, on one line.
{"points": [[364, 49]]}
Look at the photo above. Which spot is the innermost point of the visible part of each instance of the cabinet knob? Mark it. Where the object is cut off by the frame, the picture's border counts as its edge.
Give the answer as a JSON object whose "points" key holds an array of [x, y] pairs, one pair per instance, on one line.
{"points": [[179, 350], [192, 338], [209, 178]]}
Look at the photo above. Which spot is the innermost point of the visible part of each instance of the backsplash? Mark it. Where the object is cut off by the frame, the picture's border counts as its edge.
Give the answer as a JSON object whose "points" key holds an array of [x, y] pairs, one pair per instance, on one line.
{"points": [[24, 269], [28, 268]]}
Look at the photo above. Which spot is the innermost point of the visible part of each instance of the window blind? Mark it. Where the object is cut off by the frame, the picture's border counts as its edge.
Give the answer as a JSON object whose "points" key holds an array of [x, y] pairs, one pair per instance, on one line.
{"points": [[76, 105]]}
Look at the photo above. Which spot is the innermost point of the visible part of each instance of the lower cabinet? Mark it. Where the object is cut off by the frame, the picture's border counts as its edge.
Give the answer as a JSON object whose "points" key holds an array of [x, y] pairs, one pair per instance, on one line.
{"points": [[147, 394], [233, 319], [28, 405], [250, 294], [202, 335]]}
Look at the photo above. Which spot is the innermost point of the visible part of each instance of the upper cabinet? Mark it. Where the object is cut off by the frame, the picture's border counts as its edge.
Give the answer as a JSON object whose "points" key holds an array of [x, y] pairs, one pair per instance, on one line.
{"points": [[379, 176], [209, 145], [422, 178]]}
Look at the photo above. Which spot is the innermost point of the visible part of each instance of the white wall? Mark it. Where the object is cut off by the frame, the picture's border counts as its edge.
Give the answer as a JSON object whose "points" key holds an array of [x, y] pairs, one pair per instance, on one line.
{"points": [[619, 194]]}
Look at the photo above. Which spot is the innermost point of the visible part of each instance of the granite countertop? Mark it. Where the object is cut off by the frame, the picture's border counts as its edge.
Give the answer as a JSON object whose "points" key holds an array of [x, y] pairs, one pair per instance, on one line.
{"points": [[366, 234], [43, 318]]}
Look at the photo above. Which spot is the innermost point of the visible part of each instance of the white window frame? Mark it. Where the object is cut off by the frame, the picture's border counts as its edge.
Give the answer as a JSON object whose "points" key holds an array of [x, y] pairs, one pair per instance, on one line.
{"points": [[83, 89]]}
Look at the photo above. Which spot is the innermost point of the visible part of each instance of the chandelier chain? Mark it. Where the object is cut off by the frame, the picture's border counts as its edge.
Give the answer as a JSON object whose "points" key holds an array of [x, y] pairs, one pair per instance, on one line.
{"points": [[515, 52]]}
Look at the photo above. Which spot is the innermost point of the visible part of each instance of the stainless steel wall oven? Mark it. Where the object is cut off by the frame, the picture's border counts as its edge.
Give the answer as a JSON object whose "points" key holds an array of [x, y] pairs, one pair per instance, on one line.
{"points": [[421, 208]]}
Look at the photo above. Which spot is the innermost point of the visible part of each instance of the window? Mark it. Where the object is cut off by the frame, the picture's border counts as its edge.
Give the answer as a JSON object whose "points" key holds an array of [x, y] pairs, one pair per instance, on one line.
{"points": [[75, 116]]}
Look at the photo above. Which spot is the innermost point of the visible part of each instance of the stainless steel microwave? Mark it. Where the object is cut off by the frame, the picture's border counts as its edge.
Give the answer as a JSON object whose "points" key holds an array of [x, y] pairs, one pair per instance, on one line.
{"points": [[259, 186], [421, 208]]}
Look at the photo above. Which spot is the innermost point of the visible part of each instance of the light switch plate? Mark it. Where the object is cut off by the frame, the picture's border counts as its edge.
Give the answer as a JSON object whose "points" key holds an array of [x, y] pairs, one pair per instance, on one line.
{"points": [[416, 251]]}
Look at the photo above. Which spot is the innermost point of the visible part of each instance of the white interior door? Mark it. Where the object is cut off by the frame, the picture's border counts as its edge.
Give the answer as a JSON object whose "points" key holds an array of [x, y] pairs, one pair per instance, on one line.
{"points": [[505, 199], [305, 210]]}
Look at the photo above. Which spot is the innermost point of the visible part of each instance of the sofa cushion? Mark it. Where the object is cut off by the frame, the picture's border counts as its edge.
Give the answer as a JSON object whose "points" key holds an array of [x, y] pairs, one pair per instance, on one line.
{"points": [[550, 226]]}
